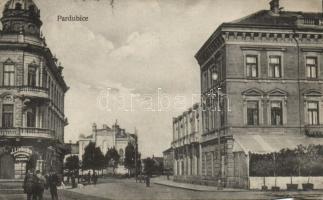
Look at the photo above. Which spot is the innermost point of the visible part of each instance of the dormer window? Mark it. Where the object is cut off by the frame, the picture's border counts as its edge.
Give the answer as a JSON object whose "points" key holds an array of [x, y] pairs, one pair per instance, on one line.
{"points": [[18, 6]]}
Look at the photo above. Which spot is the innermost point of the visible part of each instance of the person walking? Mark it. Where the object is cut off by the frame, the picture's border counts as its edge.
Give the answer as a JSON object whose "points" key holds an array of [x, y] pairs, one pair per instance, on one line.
{"points": [[39, 186], [29, 183], [89, 178], [94, 178], [52, 184]]}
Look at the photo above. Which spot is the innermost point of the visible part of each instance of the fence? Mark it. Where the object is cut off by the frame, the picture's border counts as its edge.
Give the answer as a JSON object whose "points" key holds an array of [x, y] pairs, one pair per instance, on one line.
{"points": [[258, 182]]}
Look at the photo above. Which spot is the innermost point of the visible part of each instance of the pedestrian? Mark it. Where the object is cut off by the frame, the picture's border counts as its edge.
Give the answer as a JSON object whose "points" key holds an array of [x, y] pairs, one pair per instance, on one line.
{"points": [[147, 180], [39, 186], [52, 184], [28, 185], [94, 178], [89, 178]]}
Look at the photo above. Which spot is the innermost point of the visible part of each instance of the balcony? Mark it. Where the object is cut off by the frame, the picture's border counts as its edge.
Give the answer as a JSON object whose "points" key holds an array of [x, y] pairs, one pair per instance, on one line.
{"points": [[28, 91], [314, 131], [27, 133], [34, 91]]}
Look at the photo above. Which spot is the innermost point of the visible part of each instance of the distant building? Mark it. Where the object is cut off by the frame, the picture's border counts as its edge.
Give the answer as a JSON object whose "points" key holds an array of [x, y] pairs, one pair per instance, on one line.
{"points": [[187, 131], [265, 74], [73, 150], [105, 138], [168, 156], [32, 92]]}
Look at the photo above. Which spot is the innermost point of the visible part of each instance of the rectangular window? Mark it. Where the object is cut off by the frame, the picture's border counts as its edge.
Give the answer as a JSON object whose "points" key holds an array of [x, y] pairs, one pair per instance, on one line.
{"points": [[252, 113], [204, 81], [252, 66], [311, 67], [20, 170], [313, 113], [31, 117], [7, 116], [275, 66], [32, 76], [276, 113], [8, 75]]}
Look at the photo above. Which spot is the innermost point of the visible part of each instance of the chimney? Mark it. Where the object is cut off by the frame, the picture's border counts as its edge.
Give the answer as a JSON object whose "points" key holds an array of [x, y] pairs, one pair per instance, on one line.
{"points": [[274, 6]]}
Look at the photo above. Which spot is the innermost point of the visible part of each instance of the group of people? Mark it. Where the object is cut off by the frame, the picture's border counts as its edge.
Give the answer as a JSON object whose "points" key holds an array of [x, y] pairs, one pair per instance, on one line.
{"points": [[94, 178], [35, 184]]}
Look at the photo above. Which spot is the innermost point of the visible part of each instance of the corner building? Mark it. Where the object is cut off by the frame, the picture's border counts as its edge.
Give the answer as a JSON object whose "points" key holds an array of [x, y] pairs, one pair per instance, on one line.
{"points": [[32, 92], [268, 94]]}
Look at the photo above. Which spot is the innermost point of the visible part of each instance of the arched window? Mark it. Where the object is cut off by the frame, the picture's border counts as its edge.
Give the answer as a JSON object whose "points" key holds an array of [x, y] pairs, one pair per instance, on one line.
{"points": [[18, 6]]}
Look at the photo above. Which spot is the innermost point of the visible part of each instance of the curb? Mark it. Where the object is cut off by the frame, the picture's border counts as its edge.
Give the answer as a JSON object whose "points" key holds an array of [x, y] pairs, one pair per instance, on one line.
{"points": [[201, 190], [11, 191]]}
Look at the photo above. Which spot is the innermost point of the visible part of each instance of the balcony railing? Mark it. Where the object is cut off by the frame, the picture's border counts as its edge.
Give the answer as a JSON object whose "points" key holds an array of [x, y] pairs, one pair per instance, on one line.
{"points": [[314, 130], [30, 91], [27, 133]]}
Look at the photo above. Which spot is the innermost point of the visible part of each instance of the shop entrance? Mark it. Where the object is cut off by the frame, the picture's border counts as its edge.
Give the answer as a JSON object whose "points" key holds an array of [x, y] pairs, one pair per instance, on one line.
{"points": [[7, 167]]}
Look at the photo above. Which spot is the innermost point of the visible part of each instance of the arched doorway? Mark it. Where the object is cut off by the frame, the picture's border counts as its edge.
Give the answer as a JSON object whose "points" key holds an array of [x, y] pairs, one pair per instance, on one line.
{"points": [[7, 167]]}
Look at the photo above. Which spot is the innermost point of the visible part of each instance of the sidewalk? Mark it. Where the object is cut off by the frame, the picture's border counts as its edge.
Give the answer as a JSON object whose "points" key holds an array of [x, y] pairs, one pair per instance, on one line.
{"points": [[194, 187]]}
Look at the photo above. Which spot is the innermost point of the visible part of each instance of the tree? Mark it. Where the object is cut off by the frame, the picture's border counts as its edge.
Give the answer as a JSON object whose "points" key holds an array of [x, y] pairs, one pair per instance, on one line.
{"points": [[112, 158], [72, 164], [129, 161], [93, 158]]}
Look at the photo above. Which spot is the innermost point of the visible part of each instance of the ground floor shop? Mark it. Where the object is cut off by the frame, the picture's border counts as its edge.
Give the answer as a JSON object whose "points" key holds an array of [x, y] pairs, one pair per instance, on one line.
{"points": [[15, 160]]}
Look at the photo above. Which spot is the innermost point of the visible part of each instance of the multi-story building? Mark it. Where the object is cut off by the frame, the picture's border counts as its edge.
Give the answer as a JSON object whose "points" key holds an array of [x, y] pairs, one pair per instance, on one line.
{"points": [[32, 92], [168, 156], [186, 144], [262, 89], [106, 138]]}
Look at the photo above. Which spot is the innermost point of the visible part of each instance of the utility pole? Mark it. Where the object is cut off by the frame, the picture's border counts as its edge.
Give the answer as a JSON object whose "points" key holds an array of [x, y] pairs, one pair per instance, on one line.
{"points": [[136, 150]]}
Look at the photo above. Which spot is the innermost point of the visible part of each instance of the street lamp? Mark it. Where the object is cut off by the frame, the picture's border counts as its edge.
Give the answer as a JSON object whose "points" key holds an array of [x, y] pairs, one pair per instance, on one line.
{"points": [[215, 77]]}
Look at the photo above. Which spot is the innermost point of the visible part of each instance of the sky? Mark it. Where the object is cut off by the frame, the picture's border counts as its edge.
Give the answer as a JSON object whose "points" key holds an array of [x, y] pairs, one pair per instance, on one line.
{"points": [[133, 62]]}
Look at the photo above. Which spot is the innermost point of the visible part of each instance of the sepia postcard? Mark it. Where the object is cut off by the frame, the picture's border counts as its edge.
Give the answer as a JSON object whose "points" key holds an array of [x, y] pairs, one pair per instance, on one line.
{"points": [[161, 99]]}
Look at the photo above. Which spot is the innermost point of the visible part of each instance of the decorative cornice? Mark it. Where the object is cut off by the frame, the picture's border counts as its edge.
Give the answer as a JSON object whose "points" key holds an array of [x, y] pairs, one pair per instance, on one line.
{"points": [[262, 48]]}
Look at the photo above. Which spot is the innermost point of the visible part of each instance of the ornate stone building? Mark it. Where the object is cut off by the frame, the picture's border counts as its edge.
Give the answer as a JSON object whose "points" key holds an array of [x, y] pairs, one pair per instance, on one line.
{"points": [[187, 129], [106, 138], [32, 92], [262, 87]]}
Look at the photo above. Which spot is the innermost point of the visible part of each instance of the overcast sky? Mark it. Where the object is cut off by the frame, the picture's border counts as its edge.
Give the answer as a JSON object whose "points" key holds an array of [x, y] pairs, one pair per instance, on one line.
{"points": [[134, 49]]}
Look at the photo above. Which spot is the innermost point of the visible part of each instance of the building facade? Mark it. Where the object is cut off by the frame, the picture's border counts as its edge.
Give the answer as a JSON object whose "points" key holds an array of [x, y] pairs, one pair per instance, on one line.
{"points": [[106, 138], [186, 144], [32, 92], [262, 87], [168, 156]]}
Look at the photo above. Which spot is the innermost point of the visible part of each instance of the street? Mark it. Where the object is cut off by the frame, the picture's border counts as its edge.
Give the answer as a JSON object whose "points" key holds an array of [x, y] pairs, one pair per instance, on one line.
{"points": [[128, 189]]}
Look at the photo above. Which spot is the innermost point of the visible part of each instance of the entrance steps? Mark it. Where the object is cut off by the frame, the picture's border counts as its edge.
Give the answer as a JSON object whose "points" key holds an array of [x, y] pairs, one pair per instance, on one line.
{"points": [[11, 186]]}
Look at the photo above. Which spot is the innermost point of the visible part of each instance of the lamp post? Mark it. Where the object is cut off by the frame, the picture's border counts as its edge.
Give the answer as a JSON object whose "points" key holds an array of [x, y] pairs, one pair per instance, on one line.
{"points": [[215, 78]]}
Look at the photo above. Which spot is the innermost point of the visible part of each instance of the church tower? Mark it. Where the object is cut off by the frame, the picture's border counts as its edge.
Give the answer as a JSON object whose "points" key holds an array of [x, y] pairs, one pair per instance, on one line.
{"points": [[21, 16]]}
